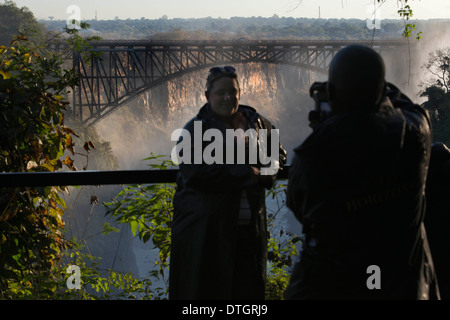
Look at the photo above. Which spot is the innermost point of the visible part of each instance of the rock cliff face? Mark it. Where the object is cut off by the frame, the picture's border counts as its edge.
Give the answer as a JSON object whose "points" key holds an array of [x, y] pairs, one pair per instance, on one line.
{"points": [[278, 92]]}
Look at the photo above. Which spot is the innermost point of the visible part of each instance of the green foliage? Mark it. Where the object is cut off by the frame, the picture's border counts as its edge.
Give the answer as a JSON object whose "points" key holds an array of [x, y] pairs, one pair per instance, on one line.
{"points": [[277, 282], [406, 13], [95, 284], [282, 248], [34, 253], [34, 138], [148, 210]]}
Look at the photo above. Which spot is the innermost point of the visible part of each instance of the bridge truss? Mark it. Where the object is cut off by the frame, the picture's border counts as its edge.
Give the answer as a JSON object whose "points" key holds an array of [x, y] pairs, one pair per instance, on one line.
{"points": [[126, 69]]}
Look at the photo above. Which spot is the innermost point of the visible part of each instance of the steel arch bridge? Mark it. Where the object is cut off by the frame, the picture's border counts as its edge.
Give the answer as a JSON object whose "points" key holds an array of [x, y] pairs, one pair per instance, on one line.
{"points": [[125, 69]]}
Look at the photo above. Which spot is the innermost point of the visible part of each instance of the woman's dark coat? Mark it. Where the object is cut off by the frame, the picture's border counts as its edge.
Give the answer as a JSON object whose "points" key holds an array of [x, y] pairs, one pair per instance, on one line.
{"points": [[205, 225]]}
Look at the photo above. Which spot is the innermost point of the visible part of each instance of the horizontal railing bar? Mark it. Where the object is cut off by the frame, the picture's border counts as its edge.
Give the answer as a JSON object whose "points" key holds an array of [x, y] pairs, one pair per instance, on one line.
{"points": [[92, 177], [89, 177]]}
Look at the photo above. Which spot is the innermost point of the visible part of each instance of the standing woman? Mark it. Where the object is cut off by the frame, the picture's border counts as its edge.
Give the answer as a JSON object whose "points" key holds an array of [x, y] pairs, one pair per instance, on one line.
{"points": [[219, 231]]}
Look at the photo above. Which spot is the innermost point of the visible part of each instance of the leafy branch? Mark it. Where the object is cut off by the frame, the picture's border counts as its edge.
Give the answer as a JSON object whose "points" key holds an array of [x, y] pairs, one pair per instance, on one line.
{"points": [[148, 210], [33, 91], [406, 13]]}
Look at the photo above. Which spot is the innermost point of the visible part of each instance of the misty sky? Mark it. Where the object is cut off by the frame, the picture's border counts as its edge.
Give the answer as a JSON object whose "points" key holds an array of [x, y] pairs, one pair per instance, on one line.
{"points": [[153, 9]]}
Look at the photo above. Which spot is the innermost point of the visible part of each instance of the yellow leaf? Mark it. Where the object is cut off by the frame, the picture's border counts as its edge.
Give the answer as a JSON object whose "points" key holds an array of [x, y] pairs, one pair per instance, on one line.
{"points": [[3, 49], [69, 130], [48, 166], [5, 75], [59, 97], [3, 239], [70, 144], [27, 58], [69, 162]]}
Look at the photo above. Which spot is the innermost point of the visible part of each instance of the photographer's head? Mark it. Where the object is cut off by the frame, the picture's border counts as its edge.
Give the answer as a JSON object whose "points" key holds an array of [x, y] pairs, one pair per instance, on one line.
{"points": [[356, 79]]}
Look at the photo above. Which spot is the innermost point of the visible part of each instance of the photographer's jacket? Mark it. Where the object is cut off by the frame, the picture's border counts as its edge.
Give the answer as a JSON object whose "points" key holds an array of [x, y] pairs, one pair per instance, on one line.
{"points": [[357, 185], [205, 226]]}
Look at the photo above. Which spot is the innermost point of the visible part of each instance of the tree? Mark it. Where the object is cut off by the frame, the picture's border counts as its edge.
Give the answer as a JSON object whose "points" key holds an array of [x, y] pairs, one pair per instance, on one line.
{"points": [[19, 21], [437, 91], [438, 66], [33, 138]]}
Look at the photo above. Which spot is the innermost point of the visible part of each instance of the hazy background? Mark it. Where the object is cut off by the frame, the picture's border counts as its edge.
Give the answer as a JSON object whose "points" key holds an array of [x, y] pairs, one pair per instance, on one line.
{"points": [[153, 9]]}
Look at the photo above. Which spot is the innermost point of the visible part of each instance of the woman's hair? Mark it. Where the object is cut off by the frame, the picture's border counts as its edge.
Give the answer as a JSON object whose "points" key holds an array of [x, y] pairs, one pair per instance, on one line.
{"points": [[219, 72]]}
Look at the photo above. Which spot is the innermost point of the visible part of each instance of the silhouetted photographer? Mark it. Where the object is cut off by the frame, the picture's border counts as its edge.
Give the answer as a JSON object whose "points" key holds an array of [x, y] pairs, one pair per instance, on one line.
{"points": [[357, 185]]}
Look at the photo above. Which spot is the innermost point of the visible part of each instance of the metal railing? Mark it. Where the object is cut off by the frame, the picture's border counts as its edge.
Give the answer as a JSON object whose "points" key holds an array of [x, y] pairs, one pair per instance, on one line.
{"points": [[92, 177]]}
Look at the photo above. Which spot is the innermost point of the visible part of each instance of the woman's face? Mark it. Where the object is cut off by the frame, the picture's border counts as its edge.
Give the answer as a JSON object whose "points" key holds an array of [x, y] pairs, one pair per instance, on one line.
{"points": [[224, 97]]}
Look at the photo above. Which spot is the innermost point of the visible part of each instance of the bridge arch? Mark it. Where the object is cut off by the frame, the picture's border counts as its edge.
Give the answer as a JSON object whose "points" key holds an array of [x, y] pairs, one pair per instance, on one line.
{"points": [[126, 69]]}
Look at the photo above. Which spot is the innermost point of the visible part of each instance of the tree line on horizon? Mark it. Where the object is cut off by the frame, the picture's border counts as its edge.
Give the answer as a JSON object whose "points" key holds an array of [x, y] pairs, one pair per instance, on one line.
{"points": [[242, 27], [15, 20]]}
